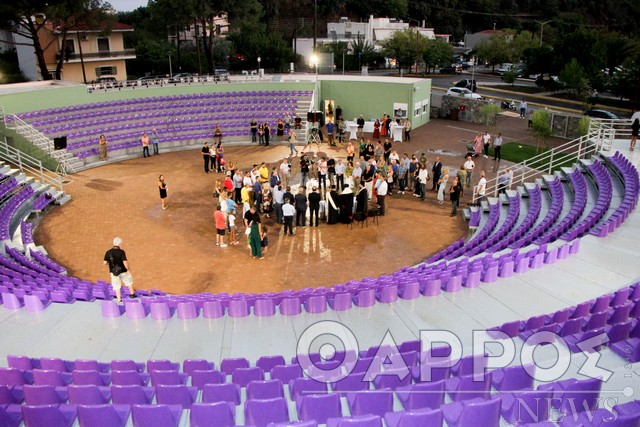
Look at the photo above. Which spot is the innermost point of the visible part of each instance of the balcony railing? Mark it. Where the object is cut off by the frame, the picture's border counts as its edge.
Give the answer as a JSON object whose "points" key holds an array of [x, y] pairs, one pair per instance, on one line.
{"points": [[99, 55]]}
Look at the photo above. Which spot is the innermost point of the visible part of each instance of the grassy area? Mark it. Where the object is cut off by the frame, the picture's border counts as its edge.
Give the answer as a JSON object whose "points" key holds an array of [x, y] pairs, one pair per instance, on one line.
{"points": [[517, 153]]}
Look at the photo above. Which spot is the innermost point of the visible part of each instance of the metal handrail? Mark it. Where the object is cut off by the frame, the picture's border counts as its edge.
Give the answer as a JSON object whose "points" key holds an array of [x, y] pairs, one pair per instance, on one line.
{"points": [[599, 137], [30, 165]]}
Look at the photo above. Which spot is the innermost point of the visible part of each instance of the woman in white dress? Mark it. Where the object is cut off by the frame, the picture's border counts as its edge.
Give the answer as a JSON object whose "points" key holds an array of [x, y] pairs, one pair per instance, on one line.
{"points": [[442, 184]]}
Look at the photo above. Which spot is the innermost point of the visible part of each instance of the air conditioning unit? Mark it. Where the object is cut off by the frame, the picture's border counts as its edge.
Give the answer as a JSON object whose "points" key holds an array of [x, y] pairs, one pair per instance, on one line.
{"points": [[84, 38]]}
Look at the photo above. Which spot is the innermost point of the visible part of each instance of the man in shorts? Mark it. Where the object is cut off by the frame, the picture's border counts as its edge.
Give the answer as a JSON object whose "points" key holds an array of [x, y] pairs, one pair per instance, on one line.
{"points": [[119, 271], [221, 226]]}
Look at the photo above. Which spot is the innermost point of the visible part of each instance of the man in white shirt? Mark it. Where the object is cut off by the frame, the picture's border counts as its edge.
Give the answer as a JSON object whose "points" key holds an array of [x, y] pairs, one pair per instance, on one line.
{"points": [[340, 168], [497, 147], [469, 165], [523, 108], [423, 176], [288, 211], [278, 202], [486, 141], [357, 174], [381, 190], [322, 174], [481, 188], [285, 171]]}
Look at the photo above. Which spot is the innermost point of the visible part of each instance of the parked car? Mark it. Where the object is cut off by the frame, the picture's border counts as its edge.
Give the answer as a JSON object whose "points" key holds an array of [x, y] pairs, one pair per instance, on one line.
{"points": [[468, 83], [600, 114], [183, 76], [464, 92], [221, 73], [146, 78], [548, 81], [106, 79], [451, 69]]}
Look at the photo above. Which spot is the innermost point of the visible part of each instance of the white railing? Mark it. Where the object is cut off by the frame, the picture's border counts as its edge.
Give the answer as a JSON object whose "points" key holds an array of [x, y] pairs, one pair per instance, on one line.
{"points": [[599, 137], [30, 166], [33, 135]]}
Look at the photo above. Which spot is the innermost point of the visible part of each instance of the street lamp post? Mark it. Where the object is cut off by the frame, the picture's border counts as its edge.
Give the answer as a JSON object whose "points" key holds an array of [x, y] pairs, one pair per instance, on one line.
{"points": [[314, 61], [542, 24], [170, 69], [259, 59]]}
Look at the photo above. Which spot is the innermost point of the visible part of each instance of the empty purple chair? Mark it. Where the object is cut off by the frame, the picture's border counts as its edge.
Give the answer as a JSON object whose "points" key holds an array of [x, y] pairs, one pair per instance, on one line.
{"points": [[203, 414], [319, 407], [49, 415], [34, 304], [352, 382], [20, 362], [387, 294], [12, 377], [316, 304], [190, 365], [103, 415], [261, 412], [176, 395], [132, 394], [160, 311], [135, 310], [242, 376], [469, 387], [238, 308], [341, 301], [51, 377], [421, 395], [129, 378], [365, 298], [91, 365], [88, 394], [187, 310], [392, 378], [156, 415], [162, 365], [10, 395], [201, 377], [91, 378], [168, 378], [370, 403], [264, 307], [475, 413], [44, 394], [526, 406], [286, 373], [290, 306], [227, 392], [212, 309], [466, 365], [265, 389], [11, 301], [228, 365], [267, 363], [55, 364], [410, 290], [512, 378], [127, 365], [305, 387], [110, 308], [357, 421], [571, 394], [414, 418], [10, 415]]}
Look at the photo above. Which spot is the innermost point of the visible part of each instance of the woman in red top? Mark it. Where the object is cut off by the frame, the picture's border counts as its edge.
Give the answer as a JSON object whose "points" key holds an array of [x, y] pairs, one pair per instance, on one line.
{"points": [[376, 129]]}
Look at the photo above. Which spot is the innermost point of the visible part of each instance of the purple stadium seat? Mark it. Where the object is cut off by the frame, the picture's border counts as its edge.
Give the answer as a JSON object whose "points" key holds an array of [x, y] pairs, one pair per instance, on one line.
{"points": [[88, 394], [21, 362], [242, 376], [162, 365], [203, 414], [228, 365], [357, 421], [526, 406], [319, 407], [129, 378], [91, 378], [156, 415], [512, 378], [265, 389], [261, 412], [574, 394], [127, 365], [168, 378], [132, 394], [469, 387], [44, 394], [306, 386], [266, 363], [414, 418], [190, 365], [421, 395], [201, 377], [286, 373], [227, 392], [103, 415], [49, 415], [473, 413], [370, 403], [51, 377], [176, 395]]}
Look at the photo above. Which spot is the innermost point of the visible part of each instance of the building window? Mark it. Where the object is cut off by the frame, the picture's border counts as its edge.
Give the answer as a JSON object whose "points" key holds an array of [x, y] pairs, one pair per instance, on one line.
{"points": [[103, 44], [69, 46], [106, 71]]}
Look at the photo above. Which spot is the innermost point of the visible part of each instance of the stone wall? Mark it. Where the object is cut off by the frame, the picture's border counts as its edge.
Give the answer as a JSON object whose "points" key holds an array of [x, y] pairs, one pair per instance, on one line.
{"points": [[471, 107]]}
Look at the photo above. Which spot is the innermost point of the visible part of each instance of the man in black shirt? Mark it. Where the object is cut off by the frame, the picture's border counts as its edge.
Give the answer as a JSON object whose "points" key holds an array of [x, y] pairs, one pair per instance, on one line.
{"points": [[360, 123], [387, 150], [205, 155], [314, 205], [301, 207], [437, 172], [119, 271]]}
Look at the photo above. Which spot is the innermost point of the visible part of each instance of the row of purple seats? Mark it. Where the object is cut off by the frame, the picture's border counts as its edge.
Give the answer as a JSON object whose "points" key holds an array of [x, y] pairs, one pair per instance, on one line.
{"points": [[174, 98], [7, 187], [26, 232], [9, 209], [604, 183], [579, 186], [46, 262], [500, 234], [525, 235], [42, 202], [631, 181]]}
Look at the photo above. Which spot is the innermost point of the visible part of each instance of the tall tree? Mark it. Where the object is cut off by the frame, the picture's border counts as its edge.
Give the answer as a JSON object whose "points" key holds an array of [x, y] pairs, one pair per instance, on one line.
{"points": [[31, 18], [437, 53], [406, 46]]}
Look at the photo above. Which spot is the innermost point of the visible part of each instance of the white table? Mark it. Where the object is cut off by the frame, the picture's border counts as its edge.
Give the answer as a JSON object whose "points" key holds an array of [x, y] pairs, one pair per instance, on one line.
{"points": [[396, 132], [353, 130]]}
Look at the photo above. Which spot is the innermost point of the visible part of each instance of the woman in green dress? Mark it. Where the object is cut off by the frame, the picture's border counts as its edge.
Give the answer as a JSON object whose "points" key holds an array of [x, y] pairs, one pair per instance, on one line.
{"points": [[255, 237]]}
